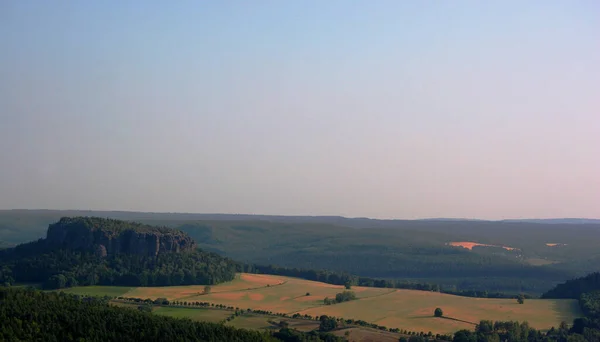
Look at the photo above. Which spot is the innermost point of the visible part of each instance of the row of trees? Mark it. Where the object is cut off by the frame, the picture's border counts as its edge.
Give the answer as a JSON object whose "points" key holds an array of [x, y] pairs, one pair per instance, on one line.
{"points": [[488, 331], [348, 280]]}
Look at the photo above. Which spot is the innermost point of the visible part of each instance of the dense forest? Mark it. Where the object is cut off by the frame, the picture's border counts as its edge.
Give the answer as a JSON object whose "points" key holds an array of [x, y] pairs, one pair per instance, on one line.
{"points": [[64, 268], [415, 251], [29, 315]]}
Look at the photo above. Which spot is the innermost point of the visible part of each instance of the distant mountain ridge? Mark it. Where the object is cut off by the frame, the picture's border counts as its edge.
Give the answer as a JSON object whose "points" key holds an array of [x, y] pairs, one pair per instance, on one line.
{"points": [[557, 221], [132, 215]]}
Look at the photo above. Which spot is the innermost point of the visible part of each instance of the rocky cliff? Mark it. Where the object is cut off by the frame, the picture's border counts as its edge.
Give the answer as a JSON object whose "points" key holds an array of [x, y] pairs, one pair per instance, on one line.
{"points": [[109, 237]]}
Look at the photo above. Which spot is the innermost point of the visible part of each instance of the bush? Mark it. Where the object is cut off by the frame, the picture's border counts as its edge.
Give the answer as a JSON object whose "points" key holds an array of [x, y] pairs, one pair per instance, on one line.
{"points": [[438, 312], [145, 308]]}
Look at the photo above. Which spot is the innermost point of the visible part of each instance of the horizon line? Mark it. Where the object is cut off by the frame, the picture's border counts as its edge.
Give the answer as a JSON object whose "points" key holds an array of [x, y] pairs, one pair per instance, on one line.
{"points": [[317, 216]]}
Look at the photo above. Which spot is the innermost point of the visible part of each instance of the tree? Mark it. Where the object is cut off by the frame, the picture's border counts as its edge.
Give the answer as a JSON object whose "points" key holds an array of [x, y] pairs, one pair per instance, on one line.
{"points": [[161, 301], [464, 336], [348, 285], [438, 312], [145, 308], [207, 289], [345, 296], [521, 299], [416, 338], [327, 323], [56, 282], [307, 294]]}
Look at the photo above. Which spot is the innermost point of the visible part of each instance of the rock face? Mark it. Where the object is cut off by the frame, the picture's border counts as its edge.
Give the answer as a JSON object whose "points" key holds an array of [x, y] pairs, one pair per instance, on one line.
{"points": [[109, 237]]}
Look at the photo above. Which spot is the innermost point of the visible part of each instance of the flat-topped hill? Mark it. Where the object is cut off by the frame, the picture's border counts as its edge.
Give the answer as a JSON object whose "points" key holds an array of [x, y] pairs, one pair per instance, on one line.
{"points": [[91, 251], [108, 237]]}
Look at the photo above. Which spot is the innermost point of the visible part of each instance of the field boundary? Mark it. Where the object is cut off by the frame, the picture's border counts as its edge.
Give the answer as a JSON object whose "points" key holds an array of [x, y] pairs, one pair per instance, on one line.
{"points": [[458, 320], [232, 291], [357, 299]]}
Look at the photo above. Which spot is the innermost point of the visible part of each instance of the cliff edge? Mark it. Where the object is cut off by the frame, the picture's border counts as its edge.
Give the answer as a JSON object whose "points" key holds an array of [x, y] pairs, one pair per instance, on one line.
{"points": [[110, 237]]}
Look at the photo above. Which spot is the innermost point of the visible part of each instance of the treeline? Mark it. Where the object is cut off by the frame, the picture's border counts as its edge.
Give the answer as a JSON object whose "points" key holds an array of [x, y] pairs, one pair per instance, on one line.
{"points": [[488, 331], [342, 278], [65, 268]]}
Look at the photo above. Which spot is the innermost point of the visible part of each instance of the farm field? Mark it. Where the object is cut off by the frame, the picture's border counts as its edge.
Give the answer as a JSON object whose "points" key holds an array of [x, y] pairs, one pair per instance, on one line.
{"points": [[112, 291], [404, 309], [196, 314], [362, 334], [413, 310], [255, 321]]}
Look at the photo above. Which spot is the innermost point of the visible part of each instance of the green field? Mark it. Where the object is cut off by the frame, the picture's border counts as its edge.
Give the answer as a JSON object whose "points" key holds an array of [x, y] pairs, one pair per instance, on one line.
{"points": [[111, 291], [196, 314], [254, 321], [404, 309]]}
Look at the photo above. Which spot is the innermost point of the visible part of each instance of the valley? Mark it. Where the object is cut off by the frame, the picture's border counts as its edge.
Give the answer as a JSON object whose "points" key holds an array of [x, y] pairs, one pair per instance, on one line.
{"points": [[296, 280]]}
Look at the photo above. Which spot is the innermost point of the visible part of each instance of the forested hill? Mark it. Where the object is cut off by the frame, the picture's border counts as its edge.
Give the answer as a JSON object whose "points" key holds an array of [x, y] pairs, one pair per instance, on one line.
{"points": [[576, 287], [90, 251]]}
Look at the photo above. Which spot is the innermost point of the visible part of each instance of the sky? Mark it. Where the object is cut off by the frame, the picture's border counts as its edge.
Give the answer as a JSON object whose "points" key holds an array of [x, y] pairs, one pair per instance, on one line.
{"points": [[382, 109]]}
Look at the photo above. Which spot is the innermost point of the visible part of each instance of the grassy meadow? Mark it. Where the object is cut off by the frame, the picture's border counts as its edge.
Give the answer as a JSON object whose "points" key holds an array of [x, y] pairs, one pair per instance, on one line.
{"points": [[195, 314], [112, 291], [404, 309]]}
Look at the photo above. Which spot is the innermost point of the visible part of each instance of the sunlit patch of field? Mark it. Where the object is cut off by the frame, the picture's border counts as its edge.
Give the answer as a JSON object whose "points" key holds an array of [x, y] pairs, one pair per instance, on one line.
{"points": [[469, 245], [555, 244], [289, 297], [242, 282]]}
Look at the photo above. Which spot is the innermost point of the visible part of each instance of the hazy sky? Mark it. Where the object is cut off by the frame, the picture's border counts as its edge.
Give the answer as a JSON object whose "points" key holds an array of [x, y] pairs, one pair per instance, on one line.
{"points": [[403, 109]]}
